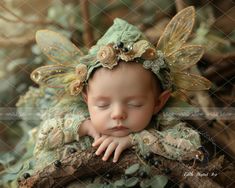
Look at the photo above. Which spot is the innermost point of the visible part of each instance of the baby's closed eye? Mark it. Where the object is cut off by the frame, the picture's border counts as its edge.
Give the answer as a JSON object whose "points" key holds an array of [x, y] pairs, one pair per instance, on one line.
{"points": [[102, 104], [135, 104]]}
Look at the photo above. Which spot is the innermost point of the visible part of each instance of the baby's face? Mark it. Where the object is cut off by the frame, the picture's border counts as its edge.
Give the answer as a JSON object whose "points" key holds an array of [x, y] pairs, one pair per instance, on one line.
{"points": [[121, 100]]}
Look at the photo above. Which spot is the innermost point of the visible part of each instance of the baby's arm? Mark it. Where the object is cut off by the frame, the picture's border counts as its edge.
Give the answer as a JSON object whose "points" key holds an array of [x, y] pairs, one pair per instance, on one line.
{"points": [[56, 132], [63, 125], [87, 128], [174, 142]]}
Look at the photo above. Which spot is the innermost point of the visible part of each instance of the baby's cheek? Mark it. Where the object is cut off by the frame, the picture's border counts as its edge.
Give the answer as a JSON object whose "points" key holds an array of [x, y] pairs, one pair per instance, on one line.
{"points": [[98, 124], [139, 127], [140, 122]]}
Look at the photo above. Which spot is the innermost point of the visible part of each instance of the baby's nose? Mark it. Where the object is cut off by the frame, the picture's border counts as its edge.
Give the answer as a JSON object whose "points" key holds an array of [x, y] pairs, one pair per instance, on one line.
{"points": [[118, 112]]}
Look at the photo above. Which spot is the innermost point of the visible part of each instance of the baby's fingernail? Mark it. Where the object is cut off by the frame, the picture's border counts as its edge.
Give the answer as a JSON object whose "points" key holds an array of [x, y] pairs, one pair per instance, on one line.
{"points": [[114, 160], [96, 153], [104, 159]]}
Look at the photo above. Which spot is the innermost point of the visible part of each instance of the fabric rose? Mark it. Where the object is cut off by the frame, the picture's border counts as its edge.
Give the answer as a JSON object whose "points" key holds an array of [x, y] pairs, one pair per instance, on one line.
{"points": [[107, 56], [81, 72], [75, 87]]}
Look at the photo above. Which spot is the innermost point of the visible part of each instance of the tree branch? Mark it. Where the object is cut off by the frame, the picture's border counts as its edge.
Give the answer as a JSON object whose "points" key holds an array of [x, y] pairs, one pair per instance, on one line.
{"points": [[87, 164], [16, 41], [34, 22], [87, 34], [180, 5]]}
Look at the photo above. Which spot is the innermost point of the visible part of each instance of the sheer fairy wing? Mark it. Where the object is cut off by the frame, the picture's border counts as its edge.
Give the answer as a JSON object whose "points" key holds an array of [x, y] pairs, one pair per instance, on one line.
{"points": [[55, 76], [57, 47], [185, 57], [177, 31], [189, 81]]}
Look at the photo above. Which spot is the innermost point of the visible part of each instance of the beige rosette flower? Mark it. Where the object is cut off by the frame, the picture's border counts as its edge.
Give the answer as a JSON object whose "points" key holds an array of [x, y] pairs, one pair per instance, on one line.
{"points": [[75, 87], [81, 72], [107, 56]]}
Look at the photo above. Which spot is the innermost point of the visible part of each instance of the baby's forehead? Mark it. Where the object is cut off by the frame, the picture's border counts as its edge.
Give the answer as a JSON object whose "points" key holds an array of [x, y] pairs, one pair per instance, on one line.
{"points": [[125, 72]]}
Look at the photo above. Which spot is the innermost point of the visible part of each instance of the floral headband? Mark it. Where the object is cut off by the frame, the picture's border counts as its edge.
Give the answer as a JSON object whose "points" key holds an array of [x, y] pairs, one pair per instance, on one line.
{"points": [[123, 41]]}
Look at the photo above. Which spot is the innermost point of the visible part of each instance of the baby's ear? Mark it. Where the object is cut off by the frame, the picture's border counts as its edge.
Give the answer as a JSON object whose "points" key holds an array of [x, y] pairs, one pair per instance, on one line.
{"points": [[84, 94], [163, 98]]}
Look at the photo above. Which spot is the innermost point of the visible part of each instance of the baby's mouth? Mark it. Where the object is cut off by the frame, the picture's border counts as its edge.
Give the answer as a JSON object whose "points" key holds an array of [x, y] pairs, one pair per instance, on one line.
{"points": [[119, 127]]}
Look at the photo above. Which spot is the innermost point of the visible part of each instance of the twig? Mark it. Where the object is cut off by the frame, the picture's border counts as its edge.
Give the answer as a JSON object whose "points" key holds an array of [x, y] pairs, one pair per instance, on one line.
{"points": [[220, 74], [87, 34], [221, 66], [12, 13], [18, 41], [180, 5], [205, 102], [8, 20], [34, 22], [213, 58]]}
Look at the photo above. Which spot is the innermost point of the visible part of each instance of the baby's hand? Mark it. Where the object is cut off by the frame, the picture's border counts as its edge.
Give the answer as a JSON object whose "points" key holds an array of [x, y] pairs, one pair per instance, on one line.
{"points": [[87, 128], [109, 144]]}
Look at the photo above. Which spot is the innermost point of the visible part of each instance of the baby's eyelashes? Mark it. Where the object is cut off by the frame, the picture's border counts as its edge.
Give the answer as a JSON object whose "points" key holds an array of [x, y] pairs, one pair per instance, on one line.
{"points": [[135, 105], [129, 104], [102, 106]]}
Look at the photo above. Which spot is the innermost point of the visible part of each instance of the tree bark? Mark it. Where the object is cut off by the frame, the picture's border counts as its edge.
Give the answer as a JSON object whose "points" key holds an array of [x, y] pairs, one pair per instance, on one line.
{"points": [[87, 164]]}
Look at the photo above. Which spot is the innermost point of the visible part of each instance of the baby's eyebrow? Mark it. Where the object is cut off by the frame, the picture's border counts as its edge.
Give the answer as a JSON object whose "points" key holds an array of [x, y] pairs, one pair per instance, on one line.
{"points": [[136, 97], [101, 98]]}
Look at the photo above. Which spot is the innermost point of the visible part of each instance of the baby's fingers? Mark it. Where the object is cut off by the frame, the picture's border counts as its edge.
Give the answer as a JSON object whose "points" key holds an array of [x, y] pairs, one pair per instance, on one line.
{"points": [[99, 140], [95, 135], [118, 152], [103, 146], [109, 151]]}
